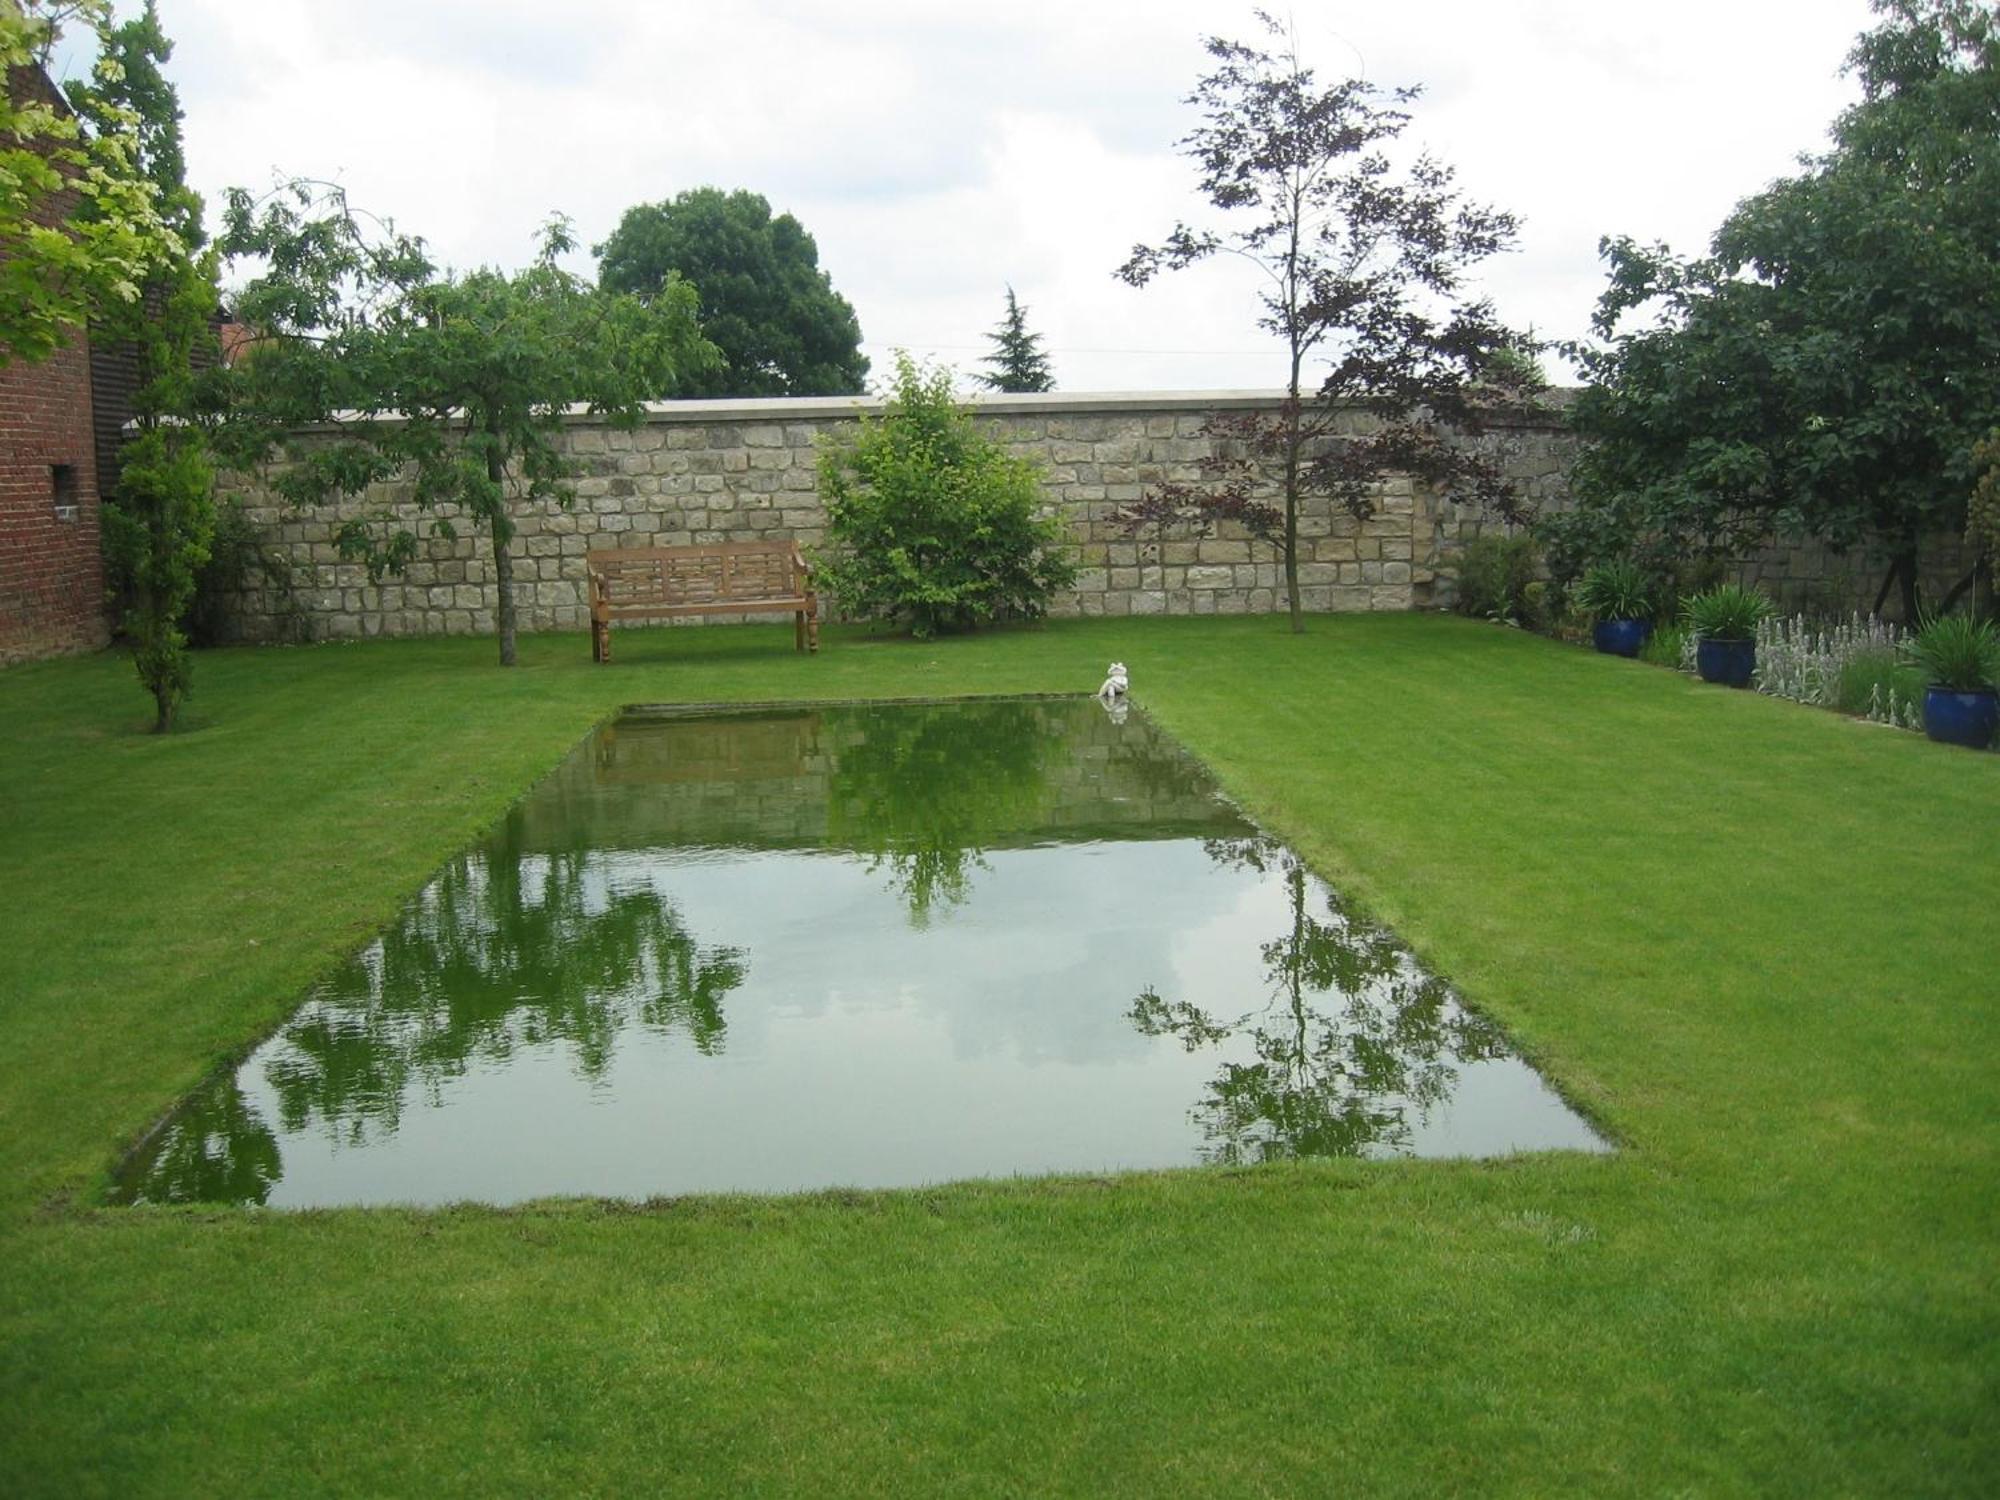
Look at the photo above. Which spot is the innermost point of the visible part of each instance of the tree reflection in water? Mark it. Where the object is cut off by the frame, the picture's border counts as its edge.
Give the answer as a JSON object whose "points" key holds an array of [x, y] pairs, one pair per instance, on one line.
{"points": [[924, 794], [501, 953], [1351, 1038]]}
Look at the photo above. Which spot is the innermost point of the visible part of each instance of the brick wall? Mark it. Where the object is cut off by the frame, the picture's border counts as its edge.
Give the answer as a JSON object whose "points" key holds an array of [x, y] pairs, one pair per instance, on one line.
{"points": [[51, 572]]}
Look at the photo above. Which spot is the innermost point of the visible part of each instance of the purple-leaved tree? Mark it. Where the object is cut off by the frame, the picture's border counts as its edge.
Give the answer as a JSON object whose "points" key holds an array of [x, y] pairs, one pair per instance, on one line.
{"points": [[1364, 264]]}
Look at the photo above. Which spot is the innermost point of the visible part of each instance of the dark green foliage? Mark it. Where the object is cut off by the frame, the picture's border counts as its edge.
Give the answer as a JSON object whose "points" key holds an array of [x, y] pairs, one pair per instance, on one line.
{"points": [[1017, 359], [1827, 369], [237, 561], [458, 380], [1728, 612], [1365, 268], [1499, 578], [156, 533], [765, 303], [1957, 652], [1982, 515], [932, 525], [159, 519], [1616, 590]]}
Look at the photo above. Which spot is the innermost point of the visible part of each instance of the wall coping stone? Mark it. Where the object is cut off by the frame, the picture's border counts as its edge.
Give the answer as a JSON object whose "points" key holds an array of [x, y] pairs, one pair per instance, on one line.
{"points": [[990, 404]]}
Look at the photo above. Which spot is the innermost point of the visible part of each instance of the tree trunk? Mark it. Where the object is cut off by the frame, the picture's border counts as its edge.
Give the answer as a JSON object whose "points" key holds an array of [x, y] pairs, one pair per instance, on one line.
{"points": [[503, 579], [1907, 561], [503, 562], [1959, 589], [163, 704], [1294, 441]]}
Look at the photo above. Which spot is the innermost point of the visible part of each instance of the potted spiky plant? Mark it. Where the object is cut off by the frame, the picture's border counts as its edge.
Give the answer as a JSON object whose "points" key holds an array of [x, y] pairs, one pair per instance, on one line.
{"points": [[1618, 599], [1961, 656], [1724, 621]]}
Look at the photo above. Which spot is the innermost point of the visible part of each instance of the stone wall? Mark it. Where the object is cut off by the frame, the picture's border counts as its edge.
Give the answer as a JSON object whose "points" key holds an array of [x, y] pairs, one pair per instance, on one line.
{"points": [[709, 471]]}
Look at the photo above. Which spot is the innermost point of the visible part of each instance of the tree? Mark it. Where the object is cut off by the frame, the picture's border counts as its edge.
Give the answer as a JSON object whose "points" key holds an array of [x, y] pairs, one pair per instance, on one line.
{"points": [[159, 513], [1364, 266], [932, 524], [460, 380], [1017, 358], [1828, 368], [79, 227], [1348, 1040], [765, 303]]}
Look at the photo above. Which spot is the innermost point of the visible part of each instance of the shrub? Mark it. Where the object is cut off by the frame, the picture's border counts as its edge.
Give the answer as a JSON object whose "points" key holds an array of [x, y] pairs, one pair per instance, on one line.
{"points": [[1499, 578], [932, 525], [1615, 591], [1728, 612], [1956, 652]]}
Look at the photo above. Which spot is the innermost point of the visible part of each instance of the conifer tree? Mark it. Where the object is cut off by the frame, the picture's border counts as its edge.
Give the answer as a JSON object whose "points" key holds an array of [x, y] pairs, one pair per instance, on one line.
{"points": [[1017, 358]]}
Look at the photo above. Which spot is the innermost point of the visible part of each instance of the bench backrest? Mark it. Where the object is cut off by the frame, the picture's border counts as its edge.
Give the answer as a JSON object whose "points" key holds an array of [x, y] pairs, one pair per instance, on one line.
{"points": [[716, 573]]}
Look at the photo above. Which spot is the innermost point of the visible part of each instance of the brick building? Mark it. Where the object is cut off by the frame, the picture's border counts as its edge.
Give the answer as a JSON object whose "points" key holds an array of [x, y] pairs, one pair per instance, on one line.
{"points": [[51, 564]]}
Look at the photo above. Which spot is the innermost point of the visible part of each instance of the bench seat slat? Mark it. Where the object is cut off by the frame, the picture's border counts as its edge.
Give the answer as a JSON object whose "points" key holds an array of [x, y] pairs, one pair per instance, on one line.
{"points": [[739, 578]]}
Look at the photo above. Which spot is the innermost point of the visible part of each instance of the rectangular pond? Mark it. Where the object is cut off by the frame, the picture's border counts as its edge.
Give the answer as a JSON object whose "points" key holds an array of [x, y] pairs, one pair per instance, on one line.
{"points": [[869, 946]]}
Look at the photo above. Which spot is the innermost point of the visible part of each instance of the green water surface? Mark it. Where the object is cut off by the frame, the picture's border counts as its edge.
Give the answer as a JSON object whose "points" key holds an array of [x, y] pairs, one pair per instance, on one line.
{"points": [[853, 946]]}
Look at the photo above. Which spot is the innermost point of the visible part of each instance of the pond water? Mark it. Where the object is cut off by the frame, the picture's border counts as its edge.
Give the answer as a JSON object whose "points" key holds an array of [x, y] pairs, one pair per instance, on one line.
{"points": [[853, 946]]}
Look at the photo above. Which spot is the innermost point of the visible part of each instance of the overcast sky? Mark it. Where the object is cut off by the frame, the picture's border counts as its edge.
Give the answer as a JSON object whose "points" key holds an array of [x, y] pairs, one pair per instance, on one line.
{"points": [[938, 152]]}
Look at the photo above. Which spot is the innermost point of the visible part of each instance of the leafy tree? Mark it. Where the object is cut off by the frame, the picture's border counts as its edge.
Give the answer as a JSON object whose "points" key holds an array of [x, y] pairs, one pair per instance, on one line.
{"points": [[1348, 1040], [933, 525], [135, 89], [492, 960], [1364, 267], [159, 513], [922, 795], [765, 303], [80, 226], [1827, 369], [459, 380], [1017, 358]]}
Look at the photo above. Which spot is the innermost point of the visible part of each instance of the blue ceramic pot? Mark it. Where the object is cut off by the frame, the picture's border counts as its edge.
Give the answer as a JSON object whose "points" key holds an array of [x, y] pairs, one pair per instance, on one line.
{"points": [[1727, 662], [1621, 637], [1955, 718]]}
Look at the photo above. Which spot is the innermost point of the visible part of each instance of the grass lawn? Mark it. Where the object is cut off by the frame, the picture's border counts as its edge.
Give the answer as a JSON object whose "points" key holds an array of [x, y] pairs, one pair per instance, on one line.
{"points": [[1757, 942]]}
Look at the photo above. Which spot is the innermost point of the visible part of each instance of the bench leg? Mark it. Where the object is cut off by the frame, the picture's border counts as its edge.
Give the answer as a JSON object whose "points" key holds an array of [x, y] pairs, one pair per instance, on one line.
{"points": [[812, 632], [600, 642]]}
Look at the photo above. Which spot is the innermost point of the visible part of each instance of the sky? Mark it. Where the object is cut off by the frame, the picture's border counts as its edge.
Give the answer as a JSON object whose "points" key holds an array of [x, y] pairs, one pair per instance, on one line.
{"points": [[939, 153]]}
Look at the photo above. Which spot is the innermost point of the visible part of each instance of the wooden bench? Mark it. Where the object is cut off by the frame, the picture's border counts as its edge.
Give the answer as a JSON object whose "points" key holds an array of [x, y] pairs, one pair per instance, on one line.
{"points": [[722, 578]]}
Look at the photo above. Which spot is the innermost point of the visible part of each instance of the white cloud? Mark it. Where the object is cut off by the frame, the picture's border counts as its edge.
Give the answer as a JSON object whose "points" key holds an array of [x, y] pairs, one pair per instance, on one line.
{"points": [[938, 152]]}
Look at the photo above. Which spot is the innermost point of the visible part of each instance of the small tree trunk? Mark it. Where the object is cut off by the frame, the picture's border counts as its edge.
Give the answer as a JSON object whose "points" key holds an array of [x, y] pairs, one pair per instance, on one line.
{"points": [[1294, 441], [503, 562], [1907, 562], [503, 579], [163, 704]]}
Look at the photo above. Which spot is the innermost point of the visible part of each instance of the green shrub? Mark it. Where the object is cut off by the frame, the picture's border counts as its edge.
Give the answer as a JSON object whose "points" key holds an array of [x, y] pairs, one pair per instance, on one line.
{"points": [[1499, 578], [1876, 676], [932, 525], [1728, 612], [1956, 652], [1615, 591]]}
